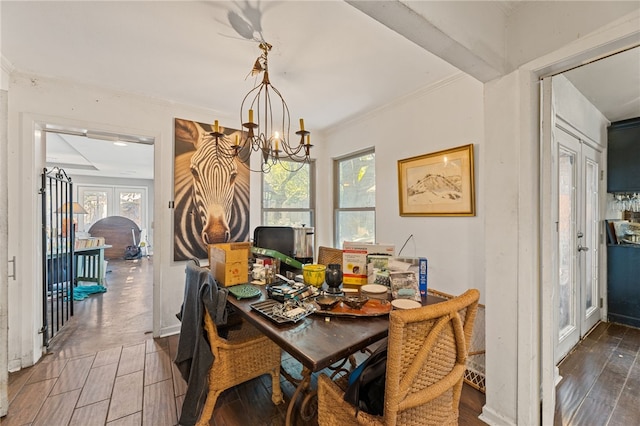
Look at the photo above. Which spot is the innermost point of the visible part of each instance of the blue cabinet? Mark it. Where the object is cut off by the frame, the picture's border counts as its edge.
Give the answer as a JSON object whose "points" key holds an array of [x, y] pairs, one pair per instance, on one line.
{"points": [[623, 156], [623, 284]]}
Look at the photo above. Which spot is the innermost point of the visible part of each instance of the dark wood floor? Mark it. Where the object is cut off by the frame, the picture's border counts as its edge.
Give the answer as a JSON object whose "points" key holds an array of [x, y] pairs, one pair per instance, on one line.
{"points": [[601, 379], [104, 368]]}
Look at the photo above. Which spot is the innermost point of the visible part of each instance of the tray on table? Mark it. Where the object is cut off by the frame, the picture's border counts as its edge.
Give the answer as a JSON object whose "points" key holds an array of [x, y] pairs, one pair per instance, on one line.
{"points": [[373, 308], [244, 291], [266, 308]]}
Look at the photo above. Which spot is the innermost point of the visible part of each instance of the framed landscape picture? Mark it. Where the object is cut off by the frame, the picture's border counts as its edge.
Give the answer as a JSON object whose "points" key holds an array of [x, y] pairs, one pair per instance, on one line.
{"points": [[438, 184]]}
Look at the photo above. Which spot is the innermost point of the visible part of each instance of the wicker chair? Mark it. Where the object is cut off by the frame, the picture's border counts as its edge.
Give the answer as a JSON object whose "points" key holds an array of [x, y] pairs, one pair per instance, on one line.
{"points": [[427, 350], [246, 353], [329, 255]]}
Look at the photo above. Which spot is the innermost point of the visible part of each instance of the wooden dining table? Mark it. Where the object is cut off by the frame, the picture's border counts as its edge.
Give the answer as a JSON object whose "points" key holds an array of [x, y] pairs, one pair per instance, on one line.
{"points": [[317, 342]]}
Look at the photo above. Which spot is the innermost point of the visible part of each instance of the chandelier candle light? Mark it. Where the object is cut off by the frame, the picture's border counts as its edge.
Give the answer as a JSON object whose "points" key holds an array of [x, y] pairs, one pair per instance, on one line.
{"points": [[268, 126]]}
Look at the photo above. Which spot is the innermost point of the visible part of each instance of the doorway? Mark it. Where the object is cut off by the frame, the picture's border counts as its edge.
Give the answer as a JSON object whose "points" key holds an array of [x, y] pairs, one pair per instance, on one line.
{"points": [[113, 177], [615, 101]]}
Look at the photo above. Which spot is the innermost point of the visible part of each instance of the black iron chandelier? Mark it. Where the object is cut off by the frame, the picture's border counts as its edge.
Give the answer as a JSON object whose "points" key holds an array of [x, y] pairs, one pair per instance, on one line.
{"points": [[267, 127]]}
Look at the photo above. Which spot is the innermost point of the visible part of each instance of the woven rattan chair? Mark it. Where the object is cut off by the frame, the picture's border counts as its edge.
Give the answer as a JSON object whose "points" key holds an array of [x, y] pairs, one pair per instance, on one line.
{"points": [[427, 350], [329, 255], [246, 353]]}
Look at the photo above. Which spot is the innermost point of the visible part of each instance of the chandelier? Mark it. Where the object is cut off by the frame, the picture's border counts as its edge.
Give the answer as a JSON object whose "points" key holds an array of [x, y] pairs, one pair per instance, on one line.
{"points": [[267, 127]]}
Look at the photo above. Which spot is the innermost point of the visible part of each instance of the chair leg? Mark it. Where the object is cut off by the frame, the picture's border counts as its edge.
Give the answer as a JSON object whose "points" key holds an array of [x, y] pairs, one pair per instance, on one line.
{"points": [[207, 410], [276, 392]]}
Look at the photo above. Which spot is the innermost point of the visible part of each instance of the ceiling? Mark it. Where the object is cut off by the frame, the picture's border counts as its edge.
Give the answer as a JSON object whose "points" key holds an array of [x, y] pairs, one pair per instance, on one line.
{"points": [[612, 84], [330, 61]]}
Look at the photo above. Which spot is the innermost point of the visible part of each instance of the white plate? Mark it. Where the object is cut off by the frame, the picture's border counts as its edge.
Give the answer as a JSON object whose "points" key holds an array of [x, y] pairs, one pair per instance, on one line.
{"points": [[374, 288], [405, 304]]}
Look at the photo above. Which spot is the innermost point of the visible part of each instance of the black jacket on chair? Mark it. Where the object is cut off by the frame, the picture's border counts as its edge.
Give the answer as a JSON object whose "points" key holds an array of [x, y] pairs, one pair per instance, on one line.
{"points": [[194, 357]]}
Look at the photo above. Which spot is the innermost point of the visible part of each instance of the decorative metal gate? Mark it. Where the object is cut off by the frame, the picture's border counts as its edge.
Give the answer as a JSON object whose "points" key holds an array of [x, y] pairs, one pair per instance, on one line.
{"points": [[58, 260]]}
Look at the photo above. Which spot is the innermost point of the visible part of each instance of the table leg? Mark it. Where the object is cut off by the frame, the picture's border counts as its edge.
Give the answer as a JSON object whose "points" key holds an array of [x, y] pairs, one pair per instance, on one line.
{"points": [[340, 369], [101, 271], [309, 404], [303, 387]]}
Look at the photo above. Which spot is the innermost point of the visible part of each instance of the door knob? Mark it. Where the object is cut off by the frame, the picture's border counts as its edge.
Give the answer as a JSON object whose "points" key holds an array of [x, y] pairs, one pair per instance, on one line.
{"points": [[581, 248]]}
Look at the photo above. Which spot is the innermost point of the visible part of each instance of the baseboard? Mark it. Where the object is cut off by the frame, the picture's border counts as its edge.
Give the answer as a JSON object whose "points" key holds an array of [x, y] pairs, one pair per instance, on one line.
{"points": [[491, 417], [170, 331], [14, 365], [624, 320]]}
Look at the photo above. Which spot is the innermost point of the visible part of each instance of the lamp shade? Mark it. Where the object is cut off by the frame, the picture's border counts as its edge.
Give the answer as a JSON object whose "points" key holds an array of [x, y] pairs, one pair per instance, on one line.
{"points": [[75, 208]]}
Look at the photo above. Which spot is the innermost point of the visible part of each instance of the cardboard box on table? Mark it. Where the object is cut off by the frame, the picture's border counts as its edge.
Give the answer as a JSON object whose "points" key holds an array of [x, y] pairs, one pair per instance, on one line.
{"points": [[355, 259], [229, 262]]}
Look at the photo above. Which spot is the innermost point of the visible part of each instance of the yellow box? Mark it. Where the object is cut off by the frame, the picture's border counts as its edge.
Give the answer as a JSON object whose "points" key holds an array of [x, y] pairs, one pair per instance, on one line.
{"points": [[355, 260], [229, 263], [354, 267]]}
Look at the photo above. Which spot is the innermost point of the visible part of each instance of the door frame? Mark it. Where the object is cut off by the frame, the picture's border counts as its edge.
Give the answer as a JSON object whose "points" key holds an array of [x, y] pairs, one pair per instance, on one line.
{"points": [[543, 70], [4, 254], [25, 343]]}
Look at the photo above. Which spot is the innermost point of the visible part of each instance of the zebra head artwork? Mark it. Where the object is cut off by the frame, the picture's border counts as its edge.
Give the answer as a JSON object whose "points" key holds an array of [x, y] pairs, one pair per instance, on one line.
{"points": [[211, 192]]}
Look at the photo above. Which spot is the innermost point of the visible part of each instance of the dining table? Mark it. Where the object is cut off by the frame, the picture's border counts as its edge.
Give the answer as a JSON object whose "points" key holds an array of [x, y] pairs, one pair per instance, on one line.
{"points": [[317, 341]]}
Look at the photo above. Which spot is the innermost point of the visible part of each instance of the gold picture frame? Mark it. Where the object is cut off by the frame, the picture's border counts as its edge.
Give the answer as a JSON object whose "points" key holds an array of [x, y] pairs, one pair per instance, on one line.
{"points": [[438, 184]]}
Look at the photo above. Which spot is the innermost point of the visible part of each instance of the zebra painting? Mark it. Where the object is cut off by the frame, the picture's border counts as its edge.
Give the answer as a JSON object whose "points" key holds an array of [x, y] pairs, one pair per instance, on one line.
{"points": [[211, 192]]}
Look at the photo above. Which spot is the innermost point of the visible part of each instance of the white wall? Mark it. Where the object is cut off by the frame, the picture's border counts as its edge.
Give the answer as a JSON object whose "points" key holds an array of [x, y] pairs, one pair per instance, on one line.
{"points": [[441, 117], [506, 191], [574, 108]]}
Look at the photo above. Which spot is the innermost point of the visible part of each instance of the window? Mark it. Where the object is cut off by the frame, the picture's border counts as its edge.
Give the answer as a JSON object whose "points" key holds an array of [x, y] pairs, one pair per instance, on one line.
{"points": [[100, 202], [355, 198], [288, 198]]}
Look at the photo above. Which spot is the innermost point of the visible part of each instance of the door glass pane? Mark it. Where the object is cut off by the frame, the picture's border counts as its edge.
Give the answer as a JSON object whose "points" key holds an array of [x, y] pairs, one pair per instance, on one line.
{"points": [[95, 202], [591, 235], [356, 226], [566, 231], [130, 206]]}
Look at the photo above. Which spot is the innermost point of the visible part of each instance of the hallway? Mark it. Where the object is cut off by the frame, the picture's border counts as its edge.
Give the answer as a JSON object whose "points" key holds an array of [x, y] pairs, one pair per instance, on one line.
{"points": [[121, 316]]}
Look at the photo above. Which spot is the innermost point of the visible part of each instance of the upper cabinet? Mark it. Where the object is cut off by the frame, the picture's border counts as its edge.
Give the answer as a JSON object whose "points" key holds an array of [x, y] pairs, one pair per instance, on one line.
{"points": [[623, 156]]}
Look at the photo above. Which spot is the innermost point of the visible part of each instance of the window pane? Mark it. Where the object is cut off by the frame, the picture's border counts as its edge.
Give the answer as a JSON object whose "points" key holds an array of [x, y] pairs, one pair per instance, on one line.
{"points": [[282, 189], [95, 203], [271, 218], [130, 206], [357, 182], [356, 226], [566, 230], [591, 235]]}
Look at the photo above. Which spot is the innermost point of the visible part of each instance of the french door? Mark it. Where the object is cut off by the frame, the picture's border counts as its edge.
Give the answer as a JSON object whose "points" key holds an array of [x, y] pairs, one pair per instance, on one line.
{"points": [[103, 201], [578, 186]]}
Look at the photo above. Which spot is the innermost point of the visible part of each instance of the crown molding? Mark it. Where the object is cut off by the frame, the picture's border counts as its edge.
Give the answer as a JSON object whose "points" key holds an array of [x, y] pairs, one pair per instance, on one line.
{"points": [[6, 68], [6, 65]]}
